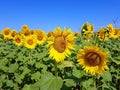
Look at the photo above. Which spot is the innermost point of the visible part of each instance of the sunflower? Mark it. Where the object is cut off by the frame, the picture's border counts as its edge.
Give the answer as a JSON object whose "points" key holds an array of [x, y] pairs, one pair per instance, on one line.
{"points": [[13, 33], [41, 37], [32, 32], [117, 33], [30, 41], [87, 29], [6, 33], [18, 40], [25, 31], [102, 34], [111, 30], [60, 43], [50, 33], [93, 60]]}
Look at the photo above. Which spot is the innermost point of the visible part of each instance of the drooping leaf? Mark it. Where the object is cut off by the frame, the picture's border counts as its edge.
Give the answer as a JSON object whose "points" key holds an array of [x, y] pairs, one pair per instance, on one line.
{"points": [[77, 73], [69, 82], [88, 83], [50, 82], [36, 75], [106, 76]]}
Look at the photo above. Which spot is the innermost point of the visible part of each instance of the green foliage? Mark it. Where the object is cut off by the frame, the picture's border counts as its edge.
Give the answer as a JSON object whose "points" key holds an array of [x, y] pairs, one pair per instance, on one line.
{"points": [[24, 69]]}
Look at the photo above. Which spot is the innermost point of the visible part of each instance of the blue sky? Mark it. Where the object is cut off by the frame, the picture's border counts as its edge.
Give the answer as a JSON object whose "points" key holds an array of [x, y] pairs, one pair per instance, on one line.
{"points": [[49, 14]]}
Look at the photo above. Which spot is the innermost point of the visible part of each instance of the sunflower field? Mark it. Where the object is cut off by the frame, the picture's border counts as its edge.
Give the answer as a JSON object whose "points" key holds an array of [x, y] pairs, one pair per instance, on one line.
{"points": [[60, 59]]}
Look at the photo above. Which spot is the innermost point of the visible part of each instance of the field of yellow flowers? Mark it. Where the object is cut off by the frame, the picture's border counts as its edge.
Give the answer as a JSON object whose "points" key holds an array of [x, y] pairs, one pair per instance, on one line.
{"points": [[60, 59]]}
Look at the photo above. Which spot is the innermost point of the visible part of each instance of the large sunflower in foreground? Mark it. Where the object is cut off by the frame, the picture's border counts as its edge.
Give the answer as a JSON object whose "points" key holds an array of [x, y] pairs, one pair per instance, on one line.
{"points": [[60, 44], [93, 60]]}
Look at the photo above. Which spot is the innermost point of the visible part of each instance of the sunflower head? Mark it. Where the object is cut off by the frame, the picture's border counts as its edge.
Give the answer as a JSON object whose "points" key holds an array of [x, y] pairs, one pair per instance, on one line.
{"points": [[93, 60], [117, 33], [49, 34], [25, 31], [32, 32], [6, 33], [87, 29], [60, 43], [18, 40], [111, 30], [30, 42], [25, 27], [40, 36], [103, 34], [13, 33]]}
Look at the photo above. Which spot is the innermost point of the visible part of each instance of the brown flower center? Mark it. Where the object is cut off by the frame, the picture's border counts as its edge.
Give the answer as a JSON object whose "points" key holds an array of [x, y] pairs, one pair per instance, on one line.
{"points": [[59, 44], [13, 34], [39, 37], [93, 59], [27, 33], [18, 40], [101, 34], [30, 41], [7, 32]]}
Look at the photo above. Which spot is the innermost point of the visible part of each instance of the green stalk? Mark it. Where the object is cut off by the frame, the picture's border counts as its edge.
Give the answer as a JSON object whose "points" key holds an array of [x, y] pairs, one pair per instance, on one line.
{"points": [[30, 57], [56, 69], [94, 79]]}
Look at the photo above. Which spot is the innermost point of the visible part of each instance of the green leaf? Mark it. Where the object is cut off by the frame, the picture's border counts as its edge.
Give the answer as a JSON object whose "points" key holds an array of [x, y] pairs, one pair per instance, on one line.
{"points": [[88, 83], [106, 76], [4, 68], [36, 75], [77, 73], [0, 83], [10, 83], [25, 71], [16, 87], [13, 67], [2, 77], [27, 87], [31, 87], [116, 60], [113, 88], [105, 86], [69, 82], [17, 78], [1, 36], [50, 82], [36, 86], [38, 65], [66, 64], [31, 62], [91, 88], [112, 69]]}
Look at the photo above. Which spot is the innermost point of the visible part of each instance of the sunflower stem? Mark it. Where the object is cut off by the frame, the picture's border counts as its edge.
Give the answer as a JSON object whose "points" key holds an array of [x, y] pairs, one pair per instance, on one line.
{"points": [[30, 57], [94, 79], [56, 69]]}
